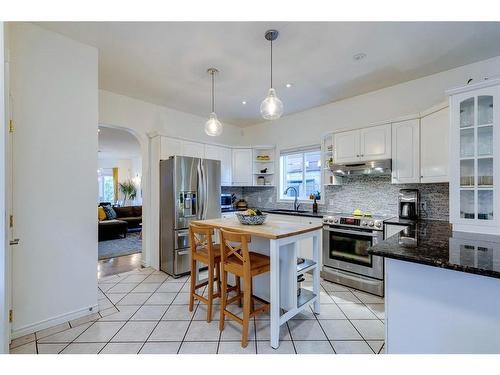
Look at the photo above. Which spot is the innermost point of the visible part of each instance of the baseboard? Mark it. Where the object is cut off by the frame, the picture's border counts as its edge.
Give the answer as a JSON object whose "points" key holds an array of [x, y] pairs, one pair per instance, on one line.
{"points": [[51, 322]]}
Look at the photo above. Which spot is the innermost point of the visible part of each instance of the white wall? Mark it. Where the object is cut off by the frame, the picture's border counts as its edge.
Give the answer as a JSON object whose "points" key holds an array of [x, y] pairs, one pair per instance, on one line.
{"points": [[404, 99], [55, 109], [4, 324]]}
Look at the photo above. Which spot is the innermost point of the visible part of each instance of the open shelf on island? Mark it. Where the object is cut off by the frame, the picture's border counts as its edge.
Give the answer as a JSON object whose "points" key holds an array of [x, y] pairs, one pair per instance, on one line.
{"points": [[307, 265], [305, 296]]}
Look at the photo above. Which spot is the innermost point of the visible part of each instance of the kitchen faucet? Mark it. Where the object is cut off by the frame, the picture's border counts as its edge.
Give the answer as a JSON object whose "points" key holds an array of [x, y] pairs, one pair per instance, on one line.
{"points": [[295, 204]]}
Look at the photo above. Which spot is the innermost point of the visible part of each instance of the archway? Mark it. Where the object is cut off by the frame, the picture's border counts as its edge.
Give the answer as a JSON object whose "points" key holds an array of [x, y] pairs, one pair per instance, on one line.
{"points": [[123, 162]]}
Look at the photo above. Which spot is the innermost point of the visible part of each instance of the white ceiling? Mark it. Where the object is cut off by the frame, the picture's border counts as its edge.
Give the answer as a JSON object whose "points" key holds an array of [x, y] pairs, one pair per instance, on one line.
{"points": [[117, 144], [165, 62]]}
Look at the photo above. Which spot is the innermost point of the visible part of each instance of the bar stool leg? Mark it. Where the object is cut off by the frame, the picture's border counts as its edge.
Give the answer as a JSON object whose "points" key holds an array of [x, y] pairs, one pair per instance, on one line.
{"points": [[217, 276], [210, 288], [238, 289], [192, 284], [246, 312], [223, 300]]}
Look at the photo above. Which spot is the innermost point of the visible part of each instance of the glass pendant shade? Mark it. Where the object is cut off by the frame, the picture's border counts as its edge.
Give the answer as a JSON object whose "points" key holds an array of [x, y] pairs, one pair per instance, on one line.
{"points": [[271, 107], [213, 126]]}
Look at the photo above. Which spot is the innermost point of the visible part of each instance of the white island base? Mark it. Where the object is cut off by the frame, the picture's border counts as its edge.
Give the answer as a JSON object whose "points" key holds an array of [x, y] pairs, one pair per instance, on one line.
{"points": [[431, 310]]}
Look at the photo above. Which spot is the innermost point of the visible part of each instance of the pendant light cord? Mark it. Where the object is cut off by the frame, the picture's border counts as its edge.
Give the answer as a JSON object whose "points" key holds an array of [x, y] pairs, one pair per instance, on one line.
{"points": [[213, 93], [271, 63]]}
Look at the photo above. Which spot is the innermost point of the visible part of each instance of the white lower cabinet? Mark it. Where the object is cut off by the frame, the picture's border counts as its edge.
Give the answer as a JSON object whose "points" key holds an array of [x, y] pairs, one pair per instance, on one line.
{"points": [[405, 152]]}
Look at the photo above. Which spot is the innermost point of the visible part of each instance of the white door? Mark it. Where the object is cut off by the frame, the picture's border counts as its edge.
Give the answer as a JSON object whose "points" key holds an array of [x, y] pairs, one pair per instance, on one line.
{"points": [[375, 142], [405, 152], [193, 149], [242, 167], [434, 155], [346, 147], [170, 147]]}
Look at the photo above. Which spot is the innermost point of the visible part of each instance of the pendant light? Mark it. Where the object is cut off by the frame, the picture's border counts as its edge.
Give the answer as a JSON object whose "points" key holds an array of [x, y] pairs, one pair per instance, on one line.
{"points": [[213, 126], [271, 107]]}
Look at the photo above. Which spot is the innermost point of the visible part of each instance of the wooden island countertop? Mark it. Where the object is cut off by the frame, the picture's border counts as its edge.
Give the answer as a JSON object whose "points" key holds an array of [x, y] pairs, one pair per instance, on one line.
{"points": [[271, 229]]}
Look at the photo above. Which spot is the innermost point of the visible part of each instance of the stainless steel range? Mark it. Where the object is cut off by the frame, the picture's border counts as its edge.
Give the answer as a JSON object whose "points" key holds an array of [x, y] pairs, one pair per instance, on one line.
{"points": [[346, 239]]}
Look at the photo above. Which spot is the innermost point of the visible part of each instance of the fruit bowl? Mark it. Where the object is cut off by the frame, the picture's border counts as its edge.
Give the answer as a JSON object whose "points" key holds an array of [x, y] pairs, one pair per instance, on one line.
{"points": [[251, 219]]}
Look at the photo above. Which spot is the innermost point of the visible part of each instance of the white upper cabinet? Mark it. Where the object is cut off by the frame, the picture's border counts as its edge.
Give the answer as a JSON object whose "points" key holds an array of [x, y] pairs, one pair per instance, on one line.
{"points": [[434, 146], [193, 149], [373, 143], [170, 147], [224, 155], [474, 157], [347, 146], [242, 166], [405, 152]]}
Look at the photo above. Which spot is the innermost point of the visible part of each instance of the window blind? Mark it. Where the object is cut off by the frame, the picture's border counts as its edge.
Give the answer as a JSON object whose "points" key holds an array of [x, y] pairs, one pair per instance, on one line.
{"points": [[298, 150]]}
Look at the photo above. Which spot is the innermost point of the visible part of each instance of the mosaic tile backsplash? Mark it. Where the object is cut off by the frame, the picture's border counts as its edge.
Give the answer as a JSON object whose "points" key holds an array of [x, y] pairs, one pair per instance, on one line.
{"points": [[374, 194]]}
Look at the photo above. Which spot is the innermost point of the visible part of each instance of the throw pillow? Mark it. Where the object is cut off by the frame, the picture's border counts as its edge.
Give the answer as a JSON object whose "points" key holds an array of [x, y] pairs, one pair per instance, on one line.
{"points": [[110, 213], [101, 215]]}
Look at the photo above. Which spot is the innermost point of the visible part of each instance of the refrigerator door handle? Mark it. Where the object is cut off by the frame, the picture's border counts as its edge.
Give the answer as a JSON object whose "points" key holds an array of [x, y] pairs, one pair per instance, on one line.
{"points": [[201, 193], [205, 190]]}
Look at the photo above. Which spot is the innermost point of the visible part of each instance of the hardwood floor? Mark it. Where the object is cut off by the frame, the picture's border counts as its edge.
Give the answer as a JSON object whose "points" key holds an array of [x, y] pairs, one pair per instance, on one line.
{"points": [[113, 266]]}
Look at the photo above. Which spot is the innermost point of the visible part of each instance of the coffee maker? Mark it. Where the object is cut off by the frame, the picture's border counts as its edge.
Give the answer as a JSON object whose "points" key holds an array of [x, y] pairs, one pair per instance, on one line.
{"points": [[408, 204]]}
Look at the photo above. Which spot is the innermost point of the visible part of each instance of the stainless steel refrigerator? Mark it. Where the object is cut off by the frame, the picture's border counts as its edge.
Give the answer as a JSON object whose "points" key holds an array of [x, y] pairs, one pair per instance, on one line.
{"points": [[189, 190]]}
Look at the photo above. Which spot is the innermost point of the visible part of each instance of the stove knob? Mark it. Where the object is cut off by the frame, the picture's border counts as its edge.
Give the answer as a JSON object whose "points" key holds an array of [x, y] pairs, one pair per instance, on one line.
{"points": [[378, 224], [370, 223], [364, 223], [335, 220]]}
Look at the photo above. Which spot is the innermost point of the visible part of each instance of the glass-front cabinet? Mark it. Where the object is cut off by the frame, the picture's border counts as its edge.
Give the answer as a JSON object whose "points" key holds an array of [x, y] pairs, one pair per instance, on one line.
{"points": [[474, 157]]}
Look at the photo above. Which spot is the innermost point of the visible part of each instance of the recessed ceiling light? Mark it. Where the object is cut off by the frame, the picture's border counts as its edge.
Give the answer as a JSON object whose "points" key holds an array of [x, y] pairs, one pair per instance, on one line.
{"points": [[243, 102], [288, 85], [359, 56]]}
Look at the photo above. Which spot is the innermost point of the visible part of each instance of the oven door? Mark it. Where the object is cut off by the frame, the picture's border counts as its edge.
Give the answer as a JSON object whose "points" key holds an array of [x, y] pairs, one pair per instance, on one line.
{"points": [[347, 249]]}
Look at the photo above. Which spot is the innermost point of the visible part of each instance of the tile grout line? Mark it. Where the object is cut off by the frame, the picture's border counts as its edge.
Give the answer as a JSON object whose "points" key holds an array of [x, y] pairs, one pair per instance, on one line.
{"points": [[140, 306], [147, 338]]}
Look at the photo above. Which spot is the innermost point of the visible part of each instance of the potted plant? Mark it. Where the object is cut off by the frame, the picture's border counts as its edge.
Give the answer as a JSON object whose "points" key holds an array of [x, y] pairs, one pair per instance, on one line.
{"points": [[128, 190]]}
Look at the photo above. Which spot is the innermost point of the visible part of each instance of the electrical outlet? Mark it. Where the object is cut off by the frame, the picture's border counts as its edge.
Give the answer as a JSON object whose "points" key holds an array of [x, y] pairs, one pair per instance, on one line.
{"points": [[423, 206], [270, 199], [259, 199], [330, 202]]}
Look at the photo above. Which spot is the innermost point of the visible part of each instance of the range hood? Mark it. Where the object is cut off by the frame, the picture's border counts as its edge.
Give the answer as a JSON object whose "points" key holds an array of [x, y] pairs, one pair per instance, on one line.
{"points": [[365, 168]]}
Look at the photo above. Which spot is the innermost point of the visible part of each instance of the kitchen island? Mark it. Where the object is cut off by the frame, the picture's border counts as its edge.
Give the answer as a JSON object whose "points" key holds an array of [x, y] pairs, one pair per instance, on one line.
{"points": [[442, 290], [278, 240]]}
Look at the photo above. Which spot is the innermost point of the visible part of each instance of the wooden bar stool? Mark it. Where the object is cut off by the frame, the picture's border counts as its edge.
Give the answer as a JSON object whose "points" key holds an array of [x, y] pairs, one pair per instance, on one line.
{"points": [[203, 250], [238, 260]]}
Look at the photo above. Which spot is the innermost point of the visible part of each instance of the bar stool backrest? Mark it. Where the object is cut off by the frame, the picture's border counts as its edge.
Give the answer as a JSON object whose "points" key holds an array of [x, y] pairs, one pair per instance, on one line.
{"points": [[200, 238], [235, 244]]}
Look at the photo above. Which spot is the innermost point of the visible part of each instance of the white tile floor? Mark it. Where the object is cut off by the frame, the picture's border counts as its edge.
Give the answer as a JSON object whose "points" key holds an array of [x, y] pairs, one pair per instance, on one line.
{"points": [[145, 311]]}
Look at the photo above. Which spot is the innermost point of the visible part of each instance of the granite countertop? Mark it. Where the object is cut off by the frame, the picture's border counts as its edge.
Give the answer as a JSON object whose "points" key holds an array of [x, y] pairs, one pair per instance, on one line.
{"points": [[433, 243]]}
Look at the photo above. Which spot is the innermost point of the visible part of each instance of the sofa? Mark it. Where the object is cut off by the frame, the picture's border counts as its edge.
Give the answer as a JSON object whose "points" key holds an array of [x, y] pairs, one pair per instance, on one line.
{"points": [[127, 219]]}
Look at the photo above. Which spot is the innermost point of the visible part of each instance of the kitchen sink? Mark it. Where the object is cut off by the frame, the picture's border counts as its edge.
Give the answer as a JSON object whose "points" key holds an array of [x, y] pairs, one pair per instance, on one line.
{"points": [[288, 211]]}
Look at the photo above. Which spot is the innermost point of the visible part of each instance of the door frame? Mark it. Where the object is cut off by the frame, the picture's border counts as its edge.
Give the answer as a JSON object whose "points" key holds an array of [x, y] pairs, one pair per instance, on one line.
{"points": [[5, 266], [149, 257]]}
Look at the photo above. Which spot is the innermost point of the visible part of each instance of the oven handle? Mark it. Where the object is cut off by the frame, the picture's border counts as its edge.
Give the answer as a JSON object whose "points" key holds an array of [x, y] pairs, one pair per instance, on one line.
{"points": [[359, 233]]}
